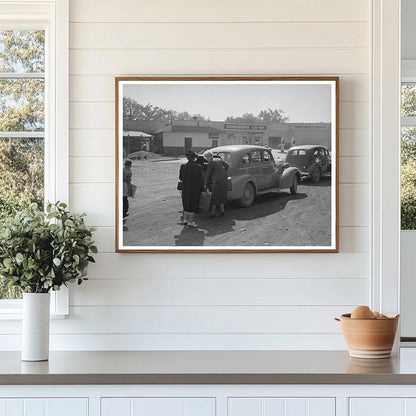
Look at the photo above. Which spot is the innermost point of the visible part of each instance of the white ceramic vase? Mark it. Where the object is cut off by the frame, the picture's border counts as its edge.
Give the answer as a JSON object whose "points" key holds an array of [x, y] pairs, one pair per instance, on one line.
{"points": [[35, 326]]}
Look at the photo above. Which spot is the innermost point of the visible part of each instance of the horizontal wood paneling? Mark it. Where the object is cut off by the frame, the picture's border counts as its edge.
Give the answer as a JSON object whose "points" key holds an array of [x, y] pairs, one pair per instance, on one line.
{"points": [[354, 142], [221, 291], [219, 62], [354, 205], [95, 88], [100, 115], [92, 169], [146, 342], [354, 170], [213, 320], [201, 319], [354, 239], [354, 115], [252, 266], [218, 35], [95, 143], [98, 88], [256, 301], [218, 11], [105, 239], [96, 199]]}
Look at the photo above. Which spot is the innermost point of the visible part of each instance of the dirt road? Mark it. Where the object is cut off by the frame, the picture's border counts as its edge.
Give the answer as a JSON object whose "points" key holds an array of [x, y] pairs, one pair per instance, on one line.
{"points": [[273, 220]]}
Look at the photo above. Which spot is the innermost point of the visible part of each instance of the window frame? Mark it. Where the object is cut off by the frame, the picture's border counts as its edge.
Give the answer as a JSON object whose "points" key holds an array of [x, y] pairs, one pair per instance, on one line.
{"points": [[408, 75], [53, 17], [384, 148]]}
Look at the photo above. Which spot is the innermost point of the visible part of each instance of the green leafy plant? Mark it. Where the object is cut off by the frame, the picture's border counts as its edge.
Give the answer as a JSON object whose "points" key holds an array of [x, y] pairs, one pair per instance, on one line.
{"points": [[43, 251]]}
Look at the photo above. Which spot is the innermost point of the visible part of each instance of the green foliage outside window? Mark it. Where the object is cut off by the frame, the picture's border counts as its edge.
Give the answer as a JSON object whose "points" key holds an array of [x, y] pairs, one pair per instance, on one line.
{"points": [[21, 110], [408, 160], [408, 179]]}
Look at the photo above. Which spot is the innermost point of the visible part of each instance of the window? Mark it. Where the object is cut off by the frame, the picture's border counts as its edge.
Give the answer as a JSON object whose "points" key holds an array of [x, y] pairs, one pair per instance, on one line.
{"points": [[22, 124], [299, 152], [33, 112], [255, 156], [408, 155], [225, 156], [266, 156]]}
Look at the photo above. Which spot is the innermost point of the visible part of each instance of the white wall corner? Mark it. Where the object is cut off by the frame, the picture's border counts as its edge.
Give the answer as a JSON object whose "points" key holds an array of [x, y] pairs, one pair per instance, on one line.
{"points": [[385, 207]]}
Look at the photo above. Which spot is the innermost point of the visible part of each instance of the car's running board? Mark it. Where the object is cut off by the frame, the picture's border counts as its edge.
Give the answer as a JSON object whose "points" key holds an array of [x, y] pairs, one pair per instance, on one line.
{"points": [[267, 191]]}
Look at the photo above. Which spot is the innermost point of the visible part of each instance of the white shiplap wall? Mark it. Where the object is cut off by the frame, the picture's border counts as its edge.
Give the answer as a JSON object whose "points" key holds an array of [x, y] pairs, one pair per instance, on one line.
{"points": [[174, 301]]}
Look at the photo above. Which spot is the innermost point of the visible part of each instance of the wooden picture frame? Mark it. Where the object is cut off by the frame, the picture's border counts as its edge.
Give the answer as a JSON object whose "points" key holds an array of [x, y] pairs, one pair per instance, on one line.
{"points": [[266, 130]]}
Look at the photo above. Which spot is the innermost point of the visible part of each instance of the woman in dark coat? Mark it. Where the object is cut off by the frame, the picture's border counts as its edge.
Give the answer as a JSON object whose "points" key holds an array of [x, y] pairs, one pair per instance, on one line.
{"points": [[190, 174], [217, 175]]}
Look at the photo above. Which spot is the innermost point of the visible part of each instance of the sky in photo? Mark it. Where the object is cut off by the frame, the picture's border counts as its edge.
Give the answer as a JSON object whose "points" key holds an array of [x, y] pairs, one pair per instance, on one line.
{"points": [[301, 102]]}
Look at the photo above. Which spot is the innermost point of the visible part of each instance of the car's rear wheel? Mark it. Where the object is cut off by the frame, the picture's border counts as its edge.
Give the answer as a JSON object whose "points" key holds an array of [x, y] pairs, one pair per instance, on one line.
{"points": [[316, 175], [294, 187], [248, 195]]}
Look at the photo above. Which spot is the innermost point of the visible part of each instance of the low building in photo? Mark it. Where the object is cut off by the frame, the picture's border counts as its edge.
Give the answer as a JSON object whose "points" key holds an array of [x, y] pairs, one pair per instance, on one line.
{"points": [[179, 136]]}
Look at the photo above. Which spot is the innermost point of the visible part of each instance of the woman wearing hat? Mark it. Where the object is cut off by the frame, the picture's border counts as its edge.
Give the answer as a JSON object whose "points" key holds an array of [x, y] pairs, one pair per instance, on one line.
{"points": [[190, 174], [217, 175]]}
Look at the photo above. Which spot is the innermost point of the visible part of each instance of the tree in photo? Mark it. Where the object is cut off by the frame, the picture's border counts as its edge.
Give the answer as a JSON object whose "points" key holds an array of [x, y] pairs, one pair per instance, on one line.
{"points": [[133, 110], [265, 116]]}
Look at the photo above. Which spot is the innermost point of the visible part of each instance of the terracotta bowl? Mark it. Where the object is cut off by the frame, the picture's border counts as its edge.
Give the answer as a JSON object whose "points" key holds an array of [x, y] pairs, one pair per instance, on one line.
{"points": [[369, 338]]}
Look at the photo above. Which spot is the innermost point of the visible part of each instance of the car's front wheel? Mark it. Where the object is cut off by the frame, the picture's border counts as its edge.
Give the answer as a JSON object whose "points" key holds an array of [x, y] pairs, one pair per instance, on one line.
{"points": [[294, 187], [316, 175], [248, 195]]}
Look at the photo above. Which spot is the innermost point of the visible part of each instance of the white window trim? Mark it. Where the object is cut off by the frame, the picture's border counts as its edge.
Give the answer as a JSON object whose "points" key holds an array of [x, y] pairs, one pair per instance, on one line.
{"points": [[54, 14], [385, 262]]}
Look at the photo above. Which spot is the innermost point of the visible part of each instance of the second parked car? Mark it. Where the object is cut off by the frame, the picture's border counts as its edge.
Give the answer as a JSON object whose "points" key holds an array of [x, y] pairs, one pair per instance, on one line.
{"points": [[312, 160], [253, 172]]}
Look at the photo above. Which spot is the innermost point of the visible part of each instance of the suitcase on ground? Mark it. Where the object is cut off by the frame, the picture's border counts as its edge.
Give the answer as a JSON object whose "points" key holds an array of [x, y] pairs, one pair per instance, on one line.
{"points": [[205, 202]]}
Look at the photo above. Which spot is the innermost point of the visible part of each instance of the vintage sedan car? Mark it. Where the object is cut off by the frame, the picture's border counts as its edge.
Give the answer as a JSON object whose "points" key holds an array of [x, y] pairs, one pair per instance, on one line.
{"points": [[312, 160], [253, 172]]}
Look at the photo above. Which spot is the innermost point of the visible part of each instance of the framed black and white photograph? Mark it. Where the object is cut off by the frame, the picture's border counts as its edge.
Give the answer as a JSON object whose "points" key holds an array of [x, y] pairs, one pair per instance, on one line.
{"points": [[227, 164]]}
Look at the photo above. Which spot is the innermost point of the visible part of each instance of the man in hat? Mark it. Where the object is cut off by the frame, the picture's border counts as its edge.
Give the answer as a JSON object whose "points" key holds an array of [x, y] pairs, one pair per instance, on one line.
{"points": [[190, 174], [126, 187]]}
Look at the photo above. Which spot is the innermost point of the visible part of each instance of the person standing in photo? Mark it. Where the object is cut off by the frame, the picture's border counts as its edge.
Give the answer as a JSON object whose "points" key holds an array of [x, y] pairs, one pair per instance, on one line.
{"points": [[190, 174], [217, 175], [282, 145], [126, 187]]}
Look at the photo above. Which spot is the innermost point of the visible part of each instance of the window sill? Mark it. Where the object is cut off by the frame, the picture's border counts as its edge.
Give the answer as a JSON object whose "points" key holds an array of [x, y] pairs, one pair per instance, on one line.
{"points": [[13, 315], [11, 309]]}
